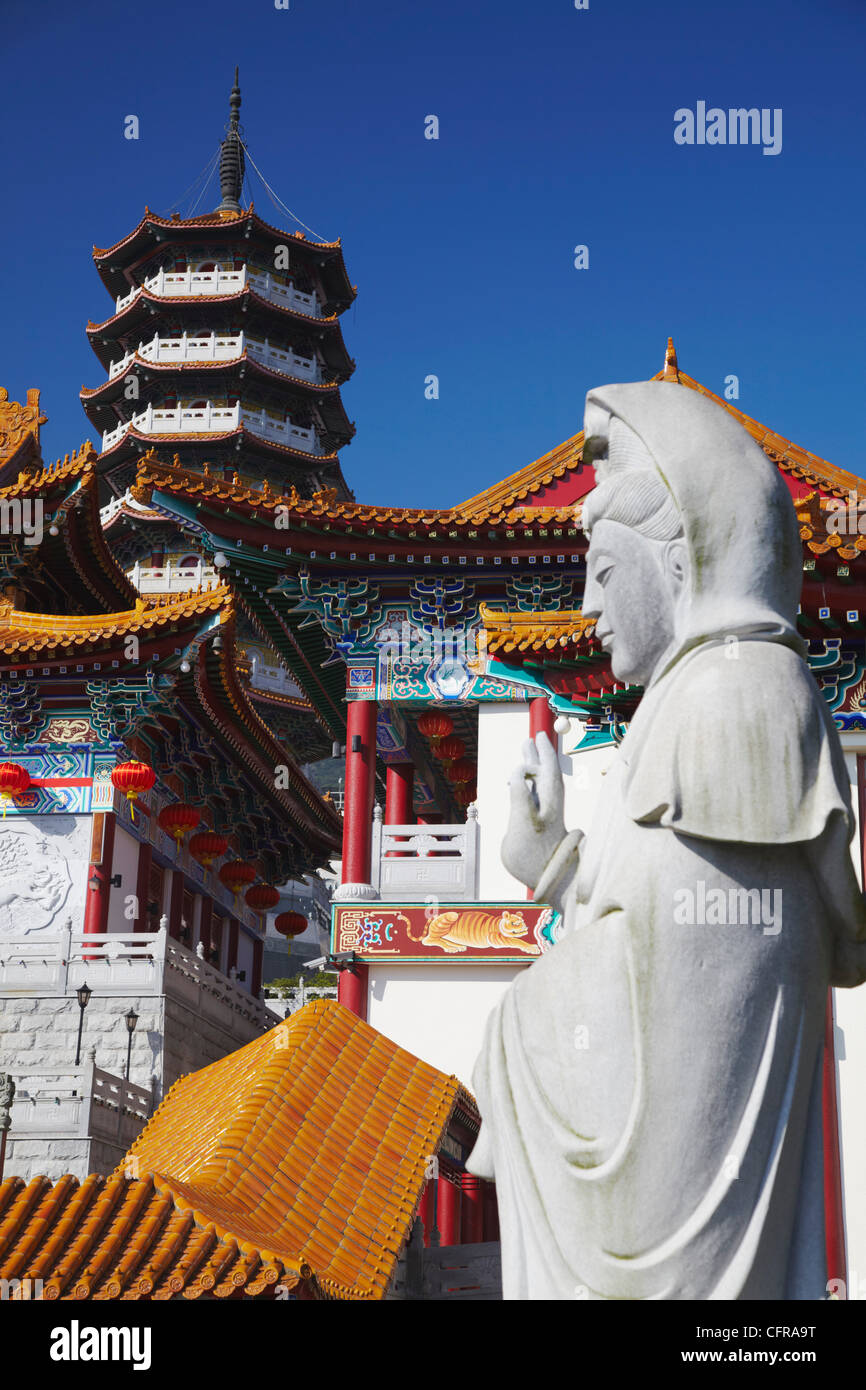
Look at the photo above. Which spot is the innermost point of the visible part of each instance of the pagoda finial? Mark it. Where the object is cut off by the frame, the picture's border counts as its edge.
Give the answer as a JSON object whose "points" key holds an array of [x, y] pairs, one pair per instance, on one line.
{"points": [[671, 369], [232, 166]]}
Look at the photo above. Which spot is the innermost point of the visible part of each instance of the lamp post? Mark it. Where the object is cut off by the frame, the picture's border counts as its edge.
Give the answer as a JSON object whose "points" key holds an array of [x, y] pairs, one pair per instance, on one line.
{"points": [[131, 1020], [84, 992]]}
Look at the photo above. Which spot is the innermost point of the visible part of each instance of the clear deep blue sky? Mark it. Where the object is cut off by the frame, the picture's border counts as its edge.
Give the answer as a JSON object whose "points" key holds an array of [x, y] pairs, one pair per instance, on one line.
{"points": [[556, 129]]}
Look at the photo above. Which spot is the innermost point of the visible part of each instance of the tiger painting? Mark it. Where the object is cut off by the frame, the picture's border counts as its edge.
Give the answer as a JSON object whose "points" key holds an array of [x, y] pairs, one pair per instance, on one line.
{"points": [[455, 932]]}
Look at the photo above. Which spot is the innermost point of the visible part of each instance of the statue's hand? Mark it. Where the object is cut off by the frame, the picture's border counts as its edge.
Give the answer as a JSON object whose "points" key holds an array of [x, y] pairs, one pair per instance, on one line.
{"points": [[536, 826]]}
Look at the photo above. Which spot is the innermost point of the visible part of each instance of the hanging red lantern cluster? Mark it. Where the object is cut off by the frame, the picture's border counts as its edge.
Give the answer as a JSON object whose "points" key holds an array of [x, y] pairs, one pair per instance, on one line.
{"points": [[435, 725], [465, 794], [236, 875], [208, 845], [14, 779], [132, 779], [450, 749], [262, 897], [179, 820], [291, 923], [460, 771]]}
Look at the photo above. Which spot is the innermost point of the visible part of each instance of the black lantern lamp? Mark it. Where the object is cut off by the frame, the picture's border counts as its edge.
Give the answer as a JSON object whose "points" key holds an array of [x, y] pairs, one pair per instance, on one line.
{"points": [[131, 1020], [84, 992]]}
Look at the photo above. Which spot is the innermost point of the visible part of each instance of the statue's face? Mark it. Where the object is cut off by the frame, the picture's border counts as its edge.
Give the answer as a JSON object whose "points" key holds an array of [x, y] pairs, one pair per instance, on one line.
{"points": [[632, 587]]}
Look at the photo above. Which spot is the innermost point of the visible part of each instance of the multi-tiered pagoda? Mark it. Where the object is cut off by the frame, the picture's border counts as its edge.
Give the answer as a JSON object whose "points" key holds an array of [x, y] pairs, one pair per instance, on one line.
{"points": [[224, 344]]}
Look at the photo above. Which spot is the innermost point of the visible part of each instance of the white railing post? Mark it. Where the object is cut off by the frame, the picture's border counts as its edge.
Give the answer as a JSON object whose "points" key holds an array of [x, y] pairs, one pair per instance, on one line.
{"points": [[376, 849], [470, 849]]}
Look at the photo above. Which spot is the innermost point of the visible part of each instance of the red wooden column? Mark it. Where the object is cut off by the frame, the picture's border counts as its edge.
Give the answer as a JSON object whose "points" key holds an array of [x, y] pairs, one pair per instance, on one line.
{"points": [[99, 874], [472, 1209], [491, 1212], [425, 1211], [541, 719], [359, 787], [399, 788], [142, 884], [449, 1209], [399, 796]]}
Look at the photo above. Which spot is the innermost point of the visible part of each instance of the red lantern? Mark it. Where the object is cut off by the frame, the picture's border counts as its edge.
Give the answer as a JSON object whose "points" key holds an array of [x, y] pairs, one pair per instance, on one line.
{"points": [[450, 749], [133, 779], [435, 725], [178, 820], [236, 875], [14, 779], [290, 923], [261, 897], [466, 794], [207, 846], [461, 771]]}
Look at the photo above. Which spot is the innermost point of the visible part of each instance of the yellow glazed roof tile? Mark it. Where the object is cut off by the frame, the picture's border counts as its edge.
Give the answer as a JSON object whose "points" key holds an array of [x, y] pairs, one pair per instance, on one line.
{"points": [[240, 1187]]}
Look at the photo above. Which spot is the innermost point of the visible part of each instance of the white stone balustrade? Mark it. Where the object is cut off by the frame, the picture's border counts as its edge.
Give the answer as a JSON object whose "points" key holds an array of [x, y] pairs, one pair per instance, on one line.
{"points": [[276, 678], [187, 284], [205, 419], [411, 861], [284, 360], [172, 578], [111, 509], [140, 964], [265, 285], [220, 347], [214, 419], [78, 1103], [282, 432]]}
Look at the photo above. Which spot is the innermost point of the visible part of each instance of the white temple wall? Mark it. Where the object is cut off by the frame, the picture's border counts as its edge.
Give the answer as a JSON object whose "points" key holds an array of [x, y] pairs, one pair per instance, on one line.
{"points": [[502, 731], [124, 862], [437, 1012], [44, 863], [245, 956]]}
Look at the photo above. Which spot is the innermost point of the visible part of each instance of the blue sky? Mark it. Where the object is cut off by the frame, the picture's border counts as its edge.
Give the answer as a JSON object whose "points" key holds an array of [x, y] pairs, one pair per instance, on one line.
{"points": [[556, 129]]}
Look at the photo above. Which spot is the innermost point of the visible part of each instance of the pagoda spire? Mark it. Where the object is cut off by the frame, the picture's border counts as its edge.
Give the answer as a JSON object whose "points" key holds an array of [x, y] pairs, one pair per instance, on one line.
{"points": [[232, 165]]}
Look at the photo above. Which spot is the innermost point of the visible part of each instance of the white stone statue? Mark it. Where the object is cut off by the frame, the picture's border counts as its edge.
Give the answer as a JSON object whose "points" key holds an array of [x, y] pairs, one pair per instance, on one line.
{"points": [[650, 1089]]}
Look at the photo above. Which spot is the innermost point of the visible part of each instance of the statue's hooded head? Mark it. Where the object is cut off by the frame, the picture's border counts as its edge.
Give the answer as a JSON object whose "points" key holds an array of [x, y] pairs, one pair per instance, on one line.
{"points": [[693, 535]]}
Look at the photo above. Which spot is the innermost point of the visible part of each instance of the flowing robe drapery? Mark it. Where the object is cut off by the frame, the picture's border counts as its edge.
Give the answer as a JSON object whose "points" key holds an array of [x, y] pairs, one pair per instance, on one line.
{"points": [[650, 1089]]}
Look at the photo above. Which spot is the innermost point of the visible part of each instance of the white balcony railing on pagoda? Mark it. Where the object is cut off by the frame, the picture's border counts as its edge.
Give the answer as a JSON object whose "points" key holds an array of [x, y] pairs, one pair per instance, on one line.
{"points": [[412, 861], [111, 508], [282, 360], [214, 419], [282, 432], [204, 419], [265, 285], [187, 284], [275, 678], [220, 347], [172, 578]]}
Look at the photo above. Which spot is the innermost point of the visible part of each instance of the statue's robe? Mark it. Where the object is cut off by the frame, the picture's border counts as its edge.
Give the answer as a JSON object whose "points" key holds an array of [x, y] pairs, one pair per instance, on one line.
{"points": [[650, 1089]]}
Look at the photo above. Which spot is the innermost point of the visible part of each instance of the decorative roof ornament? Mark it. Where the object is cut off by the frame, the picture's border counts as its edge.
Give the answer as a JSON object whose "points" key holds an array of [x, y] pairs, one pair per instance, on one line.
{"points": [[232, 165], [671, 370]]}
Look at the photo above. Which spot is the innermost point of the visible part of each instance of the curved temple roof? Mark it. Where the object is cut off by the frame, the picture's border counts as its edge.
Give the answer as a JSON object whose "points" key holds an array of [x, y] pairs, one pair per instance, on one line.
{"points": [[298, 1161]]}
